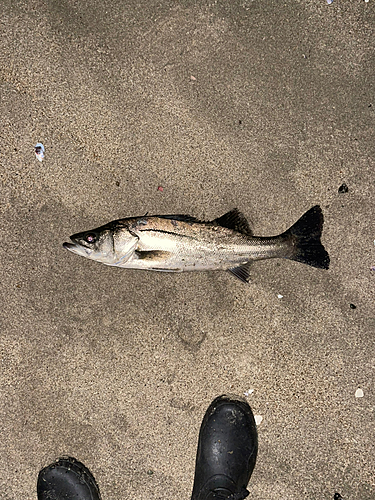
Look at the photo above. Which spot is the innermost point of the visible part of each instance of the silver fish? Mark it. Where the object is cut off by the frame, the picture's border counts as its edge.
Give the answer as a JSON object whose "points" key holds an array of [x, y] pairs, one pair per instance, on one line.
{"points": [[177, 243]]}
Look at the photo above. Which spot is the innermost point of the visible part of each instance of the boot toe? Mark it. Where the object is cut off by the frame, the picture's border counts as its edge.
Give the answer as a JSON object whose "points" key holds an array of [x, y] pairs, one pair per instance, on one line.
{"points": [[67, 479], [227, 447]]}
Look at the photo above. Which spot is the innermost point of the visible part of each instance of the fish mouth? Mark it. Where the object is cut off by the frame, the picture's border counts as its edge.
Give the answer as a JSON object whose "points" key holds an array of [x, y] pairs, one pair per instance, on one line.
{"points": [[69, 246], [77, 249]]}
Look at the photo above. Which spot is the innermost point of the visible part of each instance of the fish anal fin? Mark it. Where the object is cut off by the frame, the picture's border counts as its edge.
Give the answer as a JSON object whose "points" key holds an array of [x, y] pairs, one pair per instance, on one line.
{"points": [[242, 272], [152, 255], [234, 220]]}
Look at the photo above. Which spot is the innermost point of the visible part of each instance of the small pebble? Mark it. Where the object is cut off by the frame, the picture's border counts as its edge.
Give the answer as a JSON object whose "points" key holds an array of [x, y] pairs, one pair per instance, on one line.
{"points": [[160, 188], [150, 472], [247, 393], [337, 496], [329, 2], [352, 306], [359, 393], [279, 296], [39, 151], [258, 419], [372, 268], [343, 188], [192, 78]]}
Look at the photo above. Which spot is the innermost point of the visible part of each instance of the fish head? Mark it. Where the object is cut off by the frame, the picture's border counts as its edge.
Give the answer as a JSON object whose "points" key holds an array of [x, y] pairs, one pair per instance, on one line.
{"points": [[96, 245], [106, 244]]}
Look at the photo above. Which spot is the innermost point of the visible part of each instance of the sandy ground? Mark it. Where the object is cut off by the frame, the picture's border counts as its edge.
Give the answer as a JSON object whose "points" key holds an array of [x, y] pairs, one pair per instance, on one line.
{"points": [[267, 106]]}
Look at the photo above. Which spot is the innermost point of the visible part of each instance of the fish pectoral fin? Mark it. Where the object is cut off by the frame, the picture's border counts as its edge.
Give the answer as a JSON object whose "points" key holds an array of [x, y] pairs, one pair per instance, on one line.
{"points": [[242, 272], [234, 220], [152, 255]]}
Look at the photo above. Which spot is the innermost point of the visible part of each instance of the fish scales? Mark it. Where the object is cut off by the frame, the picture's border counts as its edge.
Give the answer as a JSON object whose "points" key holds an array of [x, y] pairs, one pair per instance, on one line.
{"points": [[200, 244]]}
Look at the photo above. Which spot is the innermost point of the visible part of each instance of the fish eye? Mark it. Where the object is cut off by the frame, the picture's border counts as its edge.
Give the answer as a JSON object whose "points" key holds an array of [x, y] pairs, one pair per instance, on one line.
{"points": [[90, 238]]}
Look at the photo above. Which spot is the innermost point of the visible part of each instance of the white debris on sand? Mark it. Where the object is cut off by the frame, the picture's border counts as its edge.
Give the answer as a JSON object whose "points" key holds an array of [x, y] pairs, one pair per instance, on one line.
{"points": [[248, 392], [39, 151], [258, 419], [359, 393], [279, 296]]}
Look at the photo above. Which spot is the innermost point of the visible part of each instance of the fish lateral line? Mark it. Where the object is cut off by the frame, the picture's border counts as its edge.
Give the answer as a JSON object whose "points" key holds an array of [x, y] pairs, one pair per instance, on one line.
{"points": [[164, 232]]}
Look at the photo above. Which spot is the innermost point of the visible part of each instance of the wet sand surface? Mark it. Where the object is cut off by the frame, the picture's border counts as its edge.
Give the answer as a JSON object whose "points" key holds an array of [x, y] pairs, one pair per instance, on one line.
{"points": [[266, 106]]}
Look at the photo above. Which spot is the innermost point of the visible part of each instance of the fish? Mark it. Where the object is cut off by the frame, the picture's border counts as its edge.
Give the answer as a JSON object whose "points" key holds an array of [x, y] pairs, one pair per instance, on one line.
{"points": [[176, 243]]}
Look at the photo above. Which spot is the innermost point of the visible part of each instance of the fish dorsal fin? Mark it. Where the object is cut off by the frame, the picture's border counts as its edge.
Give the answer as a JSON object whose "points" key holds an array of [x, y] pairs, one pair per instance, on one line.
{"points": [[234, 220], [180, 217], [242, 272]]}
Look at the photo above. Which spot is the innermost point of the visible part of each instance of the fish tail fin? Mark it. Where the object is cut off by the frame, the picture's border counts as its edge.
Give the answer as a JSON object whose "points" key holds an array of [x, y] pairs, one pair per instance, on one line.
{"points": [[306, 234]]}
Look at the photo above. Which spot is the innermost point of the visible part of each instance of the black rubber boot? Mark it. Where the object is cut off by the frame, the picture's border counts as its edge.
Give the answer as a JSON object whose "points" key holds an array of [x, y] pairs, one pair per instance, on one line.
{"points": [[227, 450], [67, 479]]}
